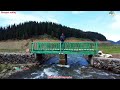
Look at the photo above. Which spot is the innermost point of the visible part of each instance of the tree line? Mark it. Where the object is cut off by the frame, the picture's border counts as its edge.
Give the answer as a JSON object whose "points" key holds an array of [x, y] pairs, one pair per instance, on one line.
{"points": [[32, 29]]}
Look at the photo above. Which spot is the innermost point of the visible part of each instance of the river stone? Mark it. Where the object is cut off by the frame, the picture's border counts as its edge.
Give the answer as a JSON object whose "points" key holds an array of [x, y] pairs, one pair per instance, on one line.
{"points": [[4, 70]]}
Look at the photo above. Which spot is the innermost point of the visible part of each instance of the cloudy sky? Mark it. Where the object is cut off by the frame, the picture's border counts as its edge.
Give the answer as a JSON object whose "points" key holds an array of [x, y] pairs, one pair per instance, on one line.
{"points": [[97, 21]]}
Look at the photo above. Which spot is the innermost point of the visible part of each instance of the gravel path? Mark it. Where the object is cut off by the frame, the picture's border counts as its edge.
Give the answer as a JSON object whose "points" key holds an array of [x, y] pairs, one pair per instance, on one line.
{"points": [[117, 55]]}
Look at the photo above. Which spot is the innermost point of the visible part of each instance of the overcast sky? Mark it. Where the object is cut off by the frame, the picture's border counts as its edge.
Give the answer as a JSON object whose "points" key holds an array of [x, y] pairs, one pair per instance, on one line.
{"points": [[96, 21]]}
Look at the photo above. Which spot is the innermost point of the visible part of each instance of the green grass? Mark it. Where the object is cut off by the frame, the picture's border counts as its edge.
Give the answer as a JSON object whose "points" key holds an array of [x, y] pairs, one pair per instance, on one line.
{"points": [[110, 49], [12, 50]]}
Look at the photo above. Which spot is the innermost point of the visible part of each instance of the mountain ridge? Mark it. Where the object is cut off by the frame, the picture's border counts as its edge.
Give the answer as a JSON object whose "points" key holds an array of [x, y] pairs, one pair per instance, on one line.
{"points": [[113, 42]]}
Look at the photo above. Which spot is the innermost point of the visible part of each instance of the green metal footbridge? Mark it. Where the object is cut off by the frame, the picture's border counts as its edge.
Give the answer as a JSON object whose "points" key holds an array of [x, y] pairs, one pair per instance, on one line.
{"points": [[84, 48]]}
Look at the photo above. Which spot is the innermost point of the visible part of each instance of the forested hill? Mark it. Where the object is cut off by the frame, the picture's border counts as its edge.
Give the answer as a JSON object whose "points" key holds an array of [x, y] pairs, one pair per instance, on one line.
{"points": [[33, 29]]}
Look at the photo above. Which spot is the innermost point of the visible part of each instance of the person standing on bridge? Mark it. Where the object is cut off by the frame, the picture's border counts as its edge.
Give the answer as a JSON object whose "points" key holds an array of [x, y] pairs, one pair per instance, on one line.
{"points": [[62, 39]]}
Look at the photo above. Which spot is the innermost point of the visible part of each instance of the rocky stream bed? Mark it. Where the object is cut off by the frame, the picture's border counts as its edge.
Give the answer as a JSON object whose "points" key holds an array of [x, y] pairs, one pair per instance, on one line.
{"points": [[78, 69]]}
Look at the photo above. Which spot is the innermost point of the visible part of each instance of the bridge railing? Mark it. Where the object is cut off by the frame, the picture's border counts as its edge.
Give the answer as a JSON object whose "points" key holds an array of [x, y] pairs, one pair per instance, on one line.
{"points": [[66, 46]]}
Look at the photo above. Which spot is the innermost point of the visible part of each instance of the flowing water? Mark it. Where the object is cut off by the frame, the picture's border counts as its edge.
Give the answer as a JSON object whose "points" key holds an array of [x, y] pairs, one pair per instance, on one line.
{"points": [[78, 69]]}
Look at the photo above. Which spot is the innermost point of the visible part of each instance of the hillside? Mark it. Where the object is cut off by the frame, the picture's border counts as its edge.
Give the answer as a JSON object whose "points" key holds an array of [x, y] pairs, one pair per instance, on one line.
{"points": [[33, 29]]}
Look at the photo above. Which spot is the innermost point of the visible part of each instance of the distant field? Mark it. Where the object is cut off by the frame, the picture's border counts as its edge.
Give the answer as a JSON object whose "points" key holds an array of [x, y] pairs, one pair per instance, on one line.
{"points": [[13, 46], [110, 49]]}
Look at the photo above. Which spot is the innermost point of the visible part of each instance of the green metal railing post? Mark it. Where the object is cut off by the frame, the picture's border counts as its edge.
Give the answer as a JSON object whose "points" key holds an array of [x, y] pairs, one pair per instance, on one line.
{"points": [[60, 47], [96, 47]]}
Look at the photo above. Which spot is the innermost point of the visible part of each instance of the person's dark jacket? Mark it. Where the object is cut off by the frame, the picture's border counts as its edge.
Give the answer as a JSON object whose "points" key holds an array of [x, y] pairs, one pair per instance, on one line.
{"points": [[62, 38]]}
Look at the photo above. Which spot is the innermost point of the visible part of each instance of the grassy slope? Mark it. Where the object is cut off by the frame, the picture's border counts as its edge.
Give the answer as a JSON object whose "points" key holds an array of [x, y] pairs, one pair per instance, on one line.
{"points": [[110, 49]]}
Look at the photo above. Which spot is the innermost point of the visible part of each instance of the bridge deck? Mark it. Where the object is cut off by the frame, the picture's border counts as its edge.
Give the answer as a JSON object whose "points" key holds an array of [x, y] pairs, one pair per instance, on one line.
{"points": [[85, 48]]}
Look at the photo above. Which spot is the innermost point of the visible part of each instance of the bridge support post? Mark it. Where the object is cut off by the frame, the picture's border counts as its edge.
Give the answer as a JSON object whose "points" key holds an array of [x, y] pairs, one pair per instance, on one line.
{"points": [[63, 59], [90, 60]]}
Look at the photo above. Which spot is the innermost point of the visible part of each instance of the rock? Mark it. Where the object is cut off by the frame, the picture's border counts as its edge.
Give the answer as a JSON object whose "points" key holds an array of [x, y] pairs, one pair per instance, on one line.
{"points": [[111, 64], [4, 70], [1, 75], [25, 68], [22, 66], [27, 50]]}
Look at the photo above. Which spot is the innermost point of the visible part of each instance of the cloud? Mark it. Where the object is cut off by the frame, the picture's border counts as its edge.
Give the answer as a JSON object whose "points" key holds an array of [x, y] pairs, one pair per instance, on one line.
{"points": [[115, 25], [11, 18], [78, 12], [112, 36]]}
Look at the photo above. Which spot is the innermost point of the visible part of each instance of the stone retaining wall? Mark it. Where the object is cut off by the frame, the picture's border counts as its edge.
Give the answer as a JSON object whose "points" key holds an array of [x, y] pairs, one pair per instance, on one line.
{"points": [[17, 58], [20, 58], [111, 64]]}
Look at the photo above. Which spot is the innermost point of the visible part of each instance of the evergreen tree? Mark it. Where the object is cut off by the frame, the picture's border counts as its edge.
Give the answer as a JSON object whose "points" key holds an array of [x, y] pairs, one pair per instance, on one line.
{"points": [[31, 29]]}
